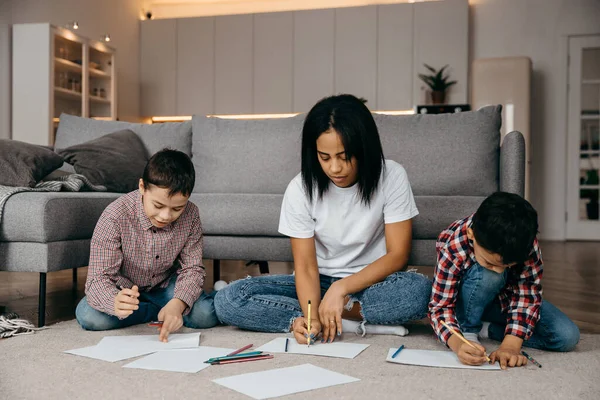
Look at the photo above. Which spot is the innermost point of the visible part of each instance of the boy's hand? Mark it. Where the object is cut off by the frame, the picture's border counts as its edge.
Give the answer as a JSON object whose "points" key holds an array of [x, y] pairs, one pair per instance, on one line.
{"points": [[467, 354], [508, 356], [471, 356], [172, 317], [126, 302], [301, 333]]}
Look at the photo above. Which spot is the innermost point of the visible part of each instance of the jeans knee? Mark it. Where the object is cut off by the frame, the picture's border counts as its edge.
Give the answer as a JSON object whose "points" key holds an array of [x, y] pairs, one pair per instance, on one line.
{"points": [[91, 319], [567, 337], [490, 281], [202, 315]]}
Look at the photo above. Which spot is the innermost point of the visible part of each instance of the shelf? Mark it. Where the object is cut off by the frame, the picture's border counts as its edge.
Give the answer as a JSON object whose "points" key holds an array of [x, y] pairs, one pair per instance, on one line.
{"points": [[96, 99], [96, 73], [590, 81], [67, 65], [591, 117], [67, 94]]}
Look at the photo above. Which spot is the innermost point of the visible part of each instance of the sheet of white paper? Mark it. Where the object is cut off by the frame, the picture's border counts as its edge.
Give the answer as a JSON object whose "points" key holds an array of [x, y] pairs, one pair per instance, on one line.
{"points": [[182, 360], [283, 381], [108, 354], [433, 358], [117, 348], [335, 349]]}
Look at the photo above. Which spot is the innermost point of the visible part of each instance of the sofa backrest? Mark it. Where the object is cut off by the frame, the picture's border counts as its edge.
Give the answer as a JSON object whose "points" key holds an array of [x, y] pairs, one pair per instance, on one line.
{"points": [[444, 155], [245, 156], [74, 130]]}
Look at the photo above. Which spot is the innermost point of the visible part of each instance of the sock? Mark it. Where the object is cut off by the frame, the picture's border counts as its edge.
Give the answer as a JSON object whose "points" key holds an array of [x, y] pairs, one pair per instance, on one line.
{"points": [[484, 333], [360, 328], [471, 337], [220, 285]]}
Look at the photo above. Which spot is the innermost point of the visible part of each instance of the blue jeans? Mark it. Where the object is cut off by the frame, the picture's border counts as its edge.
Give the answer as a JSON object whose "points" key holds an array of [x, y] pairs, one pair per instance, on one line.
{"points": [[270, 303], [478, 301], [201, 316]]}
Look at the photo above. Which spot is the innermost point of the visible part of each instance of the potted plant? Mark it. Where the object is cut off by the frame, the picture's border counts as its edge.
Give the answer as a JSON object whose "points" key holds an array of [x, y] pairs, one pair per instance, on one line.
{"points": [[438, 83]]}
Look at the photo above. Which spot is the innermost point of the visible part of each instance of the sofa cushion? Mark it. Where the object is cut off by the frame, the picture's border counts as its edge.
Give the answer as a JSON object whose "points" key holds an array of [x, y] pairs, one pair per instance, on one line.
{"points": [[239, 214], [246, 156], [74, 130], [258, 214], [23, 164], [446, 154], [116, 160], [52, 216]]}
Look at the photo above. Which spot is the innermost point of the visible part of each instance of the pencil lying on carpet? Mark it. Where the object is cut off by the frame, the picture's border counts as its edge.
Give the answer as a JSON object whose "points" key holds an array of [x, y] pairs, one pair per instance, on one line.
{"points": [[233, 353], [245, 359], [234, 357], [461, 337]]}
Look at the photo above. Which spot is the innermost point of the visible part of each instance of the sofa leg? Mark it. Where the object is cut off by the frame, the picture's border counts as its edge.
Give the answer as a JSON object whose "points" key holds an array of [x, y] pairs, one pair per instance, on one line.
{"points": [[216, 270], [263, 267], [42, 301], [75, 278]]}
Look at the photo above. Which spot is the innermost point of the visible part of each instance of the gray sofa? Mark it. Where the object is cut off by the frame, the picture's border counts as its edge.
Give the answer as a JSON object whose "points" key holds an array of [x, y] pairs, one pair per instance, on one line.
{"points": [[242, 170]]}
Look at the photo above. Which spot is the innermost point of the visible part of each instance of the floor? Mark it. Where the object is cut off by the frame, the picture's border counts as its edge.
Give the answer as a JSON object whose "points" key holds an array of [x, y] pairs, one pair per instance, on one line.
{"points": [[571, 281]]}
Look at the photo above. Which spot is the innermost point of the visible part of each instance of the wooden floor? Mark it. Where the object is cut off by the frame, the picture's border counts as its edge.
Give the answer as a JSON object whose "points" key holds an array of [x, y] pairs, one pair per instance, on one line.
{"points": [[571, 281]]}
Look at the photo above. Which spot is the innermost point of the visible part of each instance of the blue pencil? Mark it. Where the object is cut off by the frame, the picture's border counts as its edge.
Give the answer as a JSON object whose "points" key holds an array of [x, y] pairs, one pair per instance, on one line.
{"points": [[397, 351]]}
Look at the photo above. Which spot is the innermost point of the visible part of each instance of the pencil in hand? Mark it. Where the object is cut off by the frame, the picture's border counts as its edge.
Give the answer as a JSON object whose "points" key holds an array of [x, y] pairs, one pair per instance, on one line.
{"points": [[308, 325], [461, 337]]}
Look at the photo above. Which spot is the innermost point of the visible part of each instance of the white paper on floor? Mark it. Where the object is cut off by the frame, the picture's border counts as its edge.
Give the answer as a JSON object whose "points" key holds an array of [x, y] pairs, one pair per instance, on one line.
{"points": [[117, 348], [182, 360], [335, 349], [283, 381], [433, 358]]}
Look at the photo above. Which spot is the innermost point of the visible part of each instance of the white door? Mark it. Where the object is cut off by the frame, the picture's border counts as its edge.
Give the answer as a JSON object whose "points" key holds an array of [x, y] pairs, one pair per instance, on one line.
{"points": [[583, 138]]}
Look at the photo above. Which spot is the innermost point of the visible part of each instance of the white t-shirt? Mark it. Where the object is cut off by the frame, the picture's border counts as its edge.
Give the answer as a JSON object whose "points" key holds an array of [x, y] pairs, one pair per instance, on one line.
{"points": [[348, 234]]}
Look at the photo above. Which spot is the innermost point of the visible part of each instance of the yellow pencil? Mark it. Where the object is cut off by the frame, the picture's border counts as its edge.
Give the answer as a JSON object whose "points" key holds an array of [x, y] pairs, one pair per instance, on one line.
{"points": [[461, 337], [308, 323]]}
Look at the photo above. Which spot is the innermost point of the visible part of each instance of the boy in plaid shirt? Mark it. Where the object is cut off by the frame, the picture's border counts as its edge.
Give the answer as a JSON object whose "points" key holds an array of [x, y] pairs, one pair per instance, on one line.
{"points": [[489, 269], [146, 255]]}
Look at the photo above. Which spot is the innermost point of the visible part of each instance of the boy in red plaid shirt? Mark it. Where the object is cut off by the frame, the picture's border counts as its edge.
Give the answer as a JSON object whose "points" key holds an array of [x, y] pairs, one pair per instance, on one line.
{"points": [[489, 269]]}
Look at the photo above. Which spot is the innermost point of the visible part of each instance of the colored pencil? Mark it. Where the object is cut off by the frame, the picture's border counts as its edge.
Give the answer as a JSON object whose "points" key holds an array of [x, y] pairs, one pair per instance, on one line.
{"points": [[287, 340], [308, 324], [158, 324], [461, 337], [263, 357], [233, 353], [239, 355], [397, 351], [531, 359]]}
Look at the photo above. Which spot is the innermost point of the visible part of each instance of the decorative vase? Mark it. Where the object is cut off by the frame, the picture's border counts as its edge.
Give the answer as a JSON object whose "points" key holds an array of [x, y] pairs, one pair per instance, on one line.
{"points": [[438, 97]]}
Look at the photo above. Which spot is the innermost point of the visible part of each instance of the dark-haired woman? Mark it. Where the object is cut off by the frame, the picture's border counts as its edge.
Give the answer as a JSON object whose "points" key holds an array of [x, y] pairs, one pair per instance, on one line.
{"points": [[349, 216]]}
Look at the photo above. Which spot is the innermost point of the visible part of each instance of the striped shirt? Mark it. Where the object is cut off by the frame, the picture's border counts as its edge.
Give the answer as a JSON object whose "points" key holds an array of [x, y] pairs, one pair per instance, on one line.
{"points": [[520, 299], [127, 250]]}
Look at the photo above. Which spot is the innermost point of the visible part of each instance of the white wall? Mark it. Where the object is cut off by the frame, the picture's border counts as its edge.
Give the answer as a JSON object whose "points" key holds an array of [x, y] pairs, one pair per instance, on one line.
{"points": [[538, 29], [5, 65], [119, 18]]}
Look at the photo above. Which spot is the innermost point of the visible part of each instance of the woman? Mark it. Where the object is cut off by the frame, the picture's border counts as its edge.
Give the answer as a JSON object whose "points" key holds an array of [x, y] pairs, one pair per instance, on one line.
{"points": [[349, 216]]}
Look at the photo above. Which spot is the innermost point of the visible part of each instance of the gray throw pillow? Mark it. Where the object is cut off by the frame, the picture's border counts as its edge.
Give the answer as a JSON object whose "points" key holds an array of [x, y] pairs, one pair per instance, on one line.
{"points": [[24, 164], [116, 160]]}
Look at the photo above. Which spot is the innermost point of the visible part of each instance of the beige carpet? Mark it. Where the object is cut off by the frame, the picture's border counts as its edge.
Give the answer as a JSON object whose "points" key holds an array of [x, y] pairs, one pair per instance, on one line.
{"points": [[34, 367]]}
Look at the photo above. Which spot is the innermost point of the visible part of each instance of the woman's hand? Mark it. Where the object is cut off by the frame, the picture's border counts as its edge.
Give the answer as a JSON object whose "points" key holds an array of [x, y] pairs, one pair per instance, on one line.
{"points": [[300, 329], [330, 312]]}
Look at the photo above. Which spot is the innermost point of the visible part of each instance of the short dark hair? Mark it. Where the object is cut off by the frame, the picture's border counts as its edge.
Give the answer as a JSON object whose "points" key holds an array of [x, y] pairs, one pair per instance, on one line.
{"points": [[506, 224], [170, 169], [352, 120]]}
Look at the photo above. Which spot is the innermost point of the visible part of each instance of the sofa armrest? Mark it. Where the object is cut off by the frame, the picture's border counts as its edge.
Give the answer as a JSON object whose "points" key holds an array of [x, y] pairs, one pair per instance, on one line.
{"points": [[512, 164]]}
